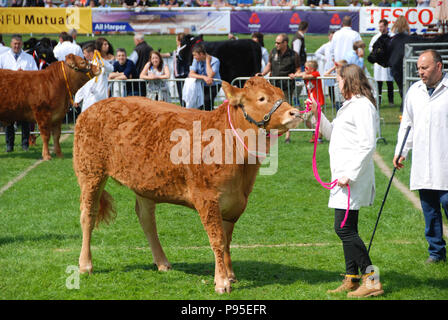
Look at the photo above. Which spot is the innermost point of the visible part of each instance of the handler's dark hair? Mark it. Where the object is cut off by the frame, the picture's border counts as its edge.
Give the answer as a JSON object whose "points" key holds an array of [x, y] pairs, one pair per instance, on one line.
{"points": [[89, 47]]}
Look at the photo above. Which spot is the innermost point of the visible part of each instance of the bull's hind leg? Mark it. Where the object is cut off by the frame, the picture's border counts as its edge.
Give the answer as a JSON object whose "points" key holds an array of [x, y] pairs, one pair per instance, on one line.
{"points": [[212, 221], [90, 202], [228, 229], [145, 209]]}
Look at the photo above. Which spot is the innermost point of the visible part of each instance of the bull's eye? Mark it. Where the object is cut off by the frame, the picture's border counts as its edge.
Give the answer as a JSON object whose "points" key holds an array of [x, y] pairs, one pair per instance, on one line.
{"points": [[261, 99]]}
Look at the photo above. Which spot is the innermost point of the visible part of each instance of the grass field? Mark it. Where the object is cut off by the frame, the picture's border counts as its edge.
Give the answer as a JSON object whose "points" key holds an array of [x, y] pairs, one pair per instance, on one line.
{"points": [[284, 245]]}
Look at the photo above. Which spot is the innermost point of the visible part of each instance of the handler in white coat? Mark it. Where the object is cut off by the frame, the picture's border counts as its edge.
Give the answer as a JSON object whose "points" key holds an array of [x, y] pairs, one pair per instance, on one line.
{"points": [[380, 73], [426, 111], [352, 137], [96, 88]]}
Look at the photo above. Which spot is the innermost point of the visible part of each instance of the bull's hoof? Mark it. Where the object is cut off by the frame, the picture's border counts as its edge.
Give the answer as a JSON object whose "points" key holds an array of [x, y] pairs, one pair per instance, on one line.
{"points": [[86, 269], [46, 158], [226, 289], [232, 279], [164, 267]]}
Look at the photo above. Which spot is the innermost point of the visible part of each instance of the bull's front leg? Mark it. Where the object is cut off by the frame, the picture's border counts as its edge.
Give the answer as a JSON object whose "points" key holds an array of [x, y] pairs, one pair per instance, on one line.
{"points": [[212, 220], [56, 137]]}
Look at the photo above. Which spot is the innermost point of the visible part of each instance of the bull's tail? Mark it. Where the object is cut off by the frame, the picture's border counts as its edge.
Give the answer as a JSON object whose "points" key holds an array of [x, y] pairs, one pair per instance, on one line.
{"points": [[106, 212]]}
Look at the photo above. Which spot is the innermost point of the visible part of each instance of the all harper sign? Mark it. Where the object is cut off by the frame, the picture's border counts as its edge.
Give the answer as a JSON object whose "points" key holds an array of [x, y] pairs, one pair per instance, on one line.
{"points": [[418, 18]]}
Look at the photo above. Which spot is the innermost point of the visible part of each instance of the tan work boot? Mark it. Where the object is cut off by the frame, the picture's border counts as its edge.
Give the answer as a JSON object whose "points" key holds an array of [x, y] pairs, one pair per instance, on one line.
{"points": [[368, 288], [350, 283]]}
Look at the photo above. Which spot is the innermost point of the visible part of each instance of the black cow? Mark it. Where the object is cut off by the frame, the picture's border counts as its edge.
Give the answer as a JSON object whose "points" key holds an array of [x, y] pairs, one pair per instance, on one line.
{"points": [[238, 58], [41, 50]]}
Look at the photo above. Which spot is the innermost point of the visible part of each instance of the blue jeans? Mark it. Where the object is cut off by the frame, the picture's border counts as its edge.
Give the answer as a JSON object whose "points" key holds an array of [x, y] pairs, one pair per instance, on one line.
{"points": [[431, 201]]}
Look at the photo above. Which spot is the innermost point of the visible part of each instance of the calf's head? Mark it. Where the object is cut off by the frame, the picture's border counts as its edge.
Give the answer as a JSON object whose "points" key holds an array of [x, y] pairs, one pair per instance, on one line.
{"points": [[82, 65], [263, 104]]}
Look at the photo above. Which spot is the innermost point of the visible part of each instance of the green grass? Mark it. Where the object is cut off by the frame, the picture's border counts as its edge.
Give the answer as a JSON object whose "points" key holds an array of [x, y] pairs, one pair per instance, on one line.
{"points": [[300, 256]]}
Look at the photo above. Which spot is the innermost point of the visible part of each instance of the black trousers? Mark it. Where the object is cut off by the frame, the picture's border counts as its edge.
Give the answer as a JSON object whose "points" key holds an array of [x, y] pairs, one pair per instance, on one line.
{"points": [[210, 93], [355, 252], [390, 90], [10, 134]]}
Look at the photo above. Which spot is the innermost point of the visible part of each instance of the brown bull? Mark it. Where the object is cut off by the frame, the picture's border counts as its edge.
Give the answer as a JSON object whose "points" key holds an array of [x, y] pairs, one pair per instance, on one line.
{"points": [[43, 96], [133, 140]]}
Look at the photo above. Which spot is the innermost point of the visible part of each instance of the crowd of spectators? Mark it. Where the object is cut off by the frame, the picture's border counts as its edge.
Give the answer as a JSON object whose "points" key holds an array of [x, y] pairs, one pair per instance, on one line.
{"points": [[130, 4]]}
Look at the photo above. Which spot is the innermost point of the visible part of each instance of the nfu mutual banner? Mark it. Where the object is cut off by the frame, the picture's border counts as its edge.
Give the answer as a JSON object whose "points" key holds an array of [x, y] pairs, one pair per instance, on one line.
{"points": [[418, 18], [320, 22], [161, 22]]}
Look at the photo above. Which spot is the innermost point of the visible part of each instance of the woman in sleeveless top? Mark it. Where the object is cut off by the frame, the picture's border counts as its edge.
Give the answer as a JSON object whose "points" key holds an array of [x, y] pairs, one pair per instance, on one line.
{"points": [[156, 73]]}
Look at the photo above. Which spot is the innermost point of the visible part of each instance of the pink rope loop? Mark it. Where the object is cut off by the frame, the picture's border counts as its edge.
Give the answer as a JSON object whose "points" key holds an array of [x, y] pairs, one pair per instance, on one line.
{"points": [[326, 185]]}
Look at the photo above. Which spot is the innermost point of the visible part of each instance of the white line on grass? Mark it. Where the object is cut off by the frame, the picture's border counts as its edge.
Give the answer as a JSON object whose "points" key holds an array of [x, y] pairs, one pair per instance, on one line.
{"points": [[401, 187], [26, 171]]}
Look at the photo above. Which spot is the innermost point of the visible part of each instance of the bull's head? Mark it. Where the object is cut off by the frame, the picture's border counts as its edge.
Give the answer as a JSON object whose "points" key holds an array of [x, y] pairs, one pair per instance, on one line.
{"points": [[82, 65], [263, 104]]}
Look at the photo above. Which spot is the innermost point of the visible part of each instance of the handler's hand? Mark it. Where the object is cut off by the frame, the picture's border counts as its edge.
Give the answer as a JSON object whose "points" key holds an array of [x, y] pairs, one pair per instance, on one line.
{"points": [[398, 164], [343, 182], [313, 105]]}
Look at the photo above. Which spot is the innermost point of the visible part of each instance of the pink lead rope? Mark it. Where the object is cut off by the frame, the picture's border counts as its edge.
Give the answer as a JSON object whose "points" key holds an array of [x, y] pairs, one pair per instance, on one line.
{"points": [[326, 185]]}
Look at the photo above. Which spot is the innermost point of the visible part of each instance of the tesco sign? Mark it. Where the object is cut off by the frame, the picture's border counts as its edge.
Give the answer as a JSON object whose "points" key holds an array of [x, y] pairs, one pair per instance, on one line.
{"points": [[417, 18]]}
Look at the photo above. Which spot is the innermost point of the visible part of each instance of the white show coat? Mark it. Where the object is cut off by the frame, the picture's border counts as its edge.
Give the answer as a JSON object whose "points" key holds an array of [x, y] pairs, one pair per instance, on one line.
{"points": [[323, 54], [96, 88], [3, 49], [428, 118], [25, 61], [352, 136], [343, 41], [65, 48], [379, 73]]}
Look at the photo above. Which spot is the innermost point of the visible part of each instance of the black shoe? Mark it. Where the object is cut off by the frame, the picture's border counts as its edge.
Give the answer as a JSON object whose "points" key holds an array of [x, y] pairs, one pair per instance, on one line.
{"points": [[287, 141], [9, 149], [25, 148], [432, 260]]}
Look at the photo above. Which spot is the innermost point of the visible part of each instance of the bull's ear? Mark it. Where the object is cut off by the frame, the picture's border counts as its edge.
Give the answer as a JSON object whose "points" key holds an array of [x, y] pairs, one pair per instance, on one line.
{"points": [[70, 59], [233, 94]]}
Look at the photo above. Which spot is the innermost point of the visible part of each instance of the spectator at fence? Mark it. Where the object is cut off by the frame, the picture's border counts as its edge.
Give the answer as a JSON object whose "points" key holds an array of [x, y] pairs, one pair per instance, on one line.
{"points": [[206, 68], [16, 59], [245, 3], [298, 43], [343, 40], [65, 47], [396, 52], [366, 3], [66, 4], [259, 37], [129, 4], [140, 56], [384, 3], [105, 49], [220, 3], [396, 3], [354, 4], [49, 4], [181, 66], [326, 3], [426, 112], [295, 3], [283, 61], [167, 3], [125, 69], [352, 136], [103, 5], [422, 3], [312, 3], [380, 73], [33, 3], [96, 88], [323, 54], [313, 87], [335, 94], [356, 55], [156, 72]]}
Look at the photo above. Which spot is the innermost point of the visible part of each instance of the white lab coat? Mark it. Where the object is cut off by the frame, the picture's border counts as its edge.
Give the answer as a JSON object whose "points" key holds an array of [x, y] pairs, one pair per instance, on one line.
{"points": [[25, 61], [65, 48], [352, 136], [96, 88], [343, 41], [428, 138], [379, 73], [193, 93]]}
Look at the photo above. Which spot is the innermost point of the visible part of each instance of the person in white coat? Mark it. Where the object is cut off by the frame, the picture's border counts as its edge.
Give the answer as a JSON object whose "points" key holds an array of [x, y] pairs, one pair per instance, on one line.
{"points": [[343, 40], [380, 73], [352, 136], [425, 110], [96, 88], [16, 59]]}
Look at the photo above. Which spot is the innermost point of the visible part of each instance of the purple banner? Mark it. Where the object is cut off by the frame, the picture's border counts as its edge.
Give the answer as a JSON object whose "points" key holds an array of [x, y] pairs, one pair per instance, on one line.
{"points": [[288, 21]]}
